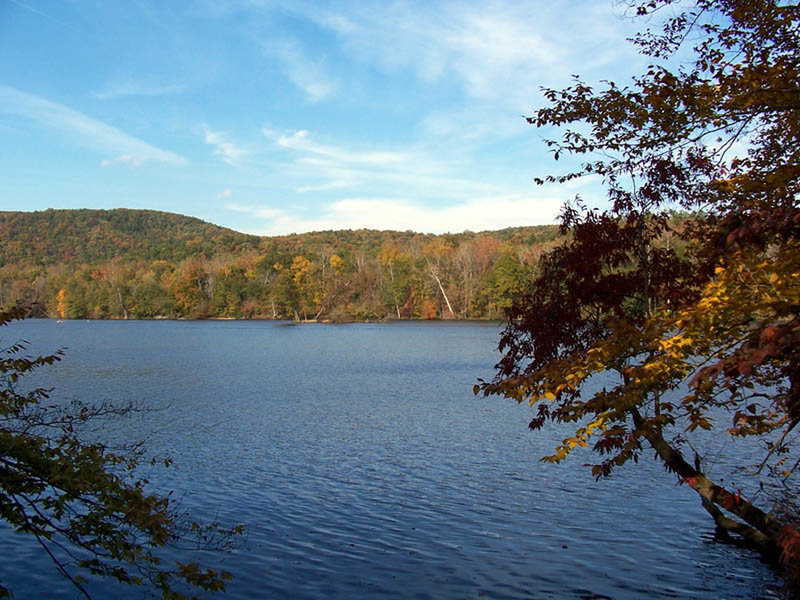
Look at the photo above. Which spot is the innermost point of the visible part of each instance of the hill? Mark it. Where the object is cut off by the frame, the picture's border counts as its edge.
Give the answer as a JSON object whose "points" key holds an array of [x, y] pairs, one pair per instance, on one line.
{"points": [[88, 236], [94, 236], [126, 263]]}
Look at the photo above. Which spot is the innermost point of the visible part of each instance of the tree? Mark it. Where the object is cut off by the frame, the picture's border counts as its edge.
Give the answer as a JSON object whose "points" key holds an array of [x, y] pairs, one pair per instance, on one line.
{"points": [[438, 256], [505, 280], [708, 339], [303, 275], [283, 292], [150, 298], [81, 499], [192, 287], [229, 290], [398, 264]]}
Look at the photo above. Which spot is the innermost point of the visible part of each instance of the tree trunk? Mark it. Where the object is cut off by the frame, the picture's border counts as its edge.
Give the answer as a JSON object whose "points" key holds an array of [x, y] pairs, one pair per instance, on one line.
{"points": [[122, 304], [760, 531], [394, 294], [441, 288], [449, 308]]}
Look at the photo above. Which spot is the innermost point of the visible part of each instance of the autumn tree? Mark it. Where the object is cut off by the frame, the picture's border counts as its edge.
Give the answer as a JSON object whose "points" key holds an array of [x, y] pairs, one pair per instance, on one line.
{"points": [[150, 296], [308, 292], [398, 266], [83, 500], [191, 287], [504, 280], [282, 291], [61, 307], [467, 270], [438, 258], [638, 346], [229, 290]]}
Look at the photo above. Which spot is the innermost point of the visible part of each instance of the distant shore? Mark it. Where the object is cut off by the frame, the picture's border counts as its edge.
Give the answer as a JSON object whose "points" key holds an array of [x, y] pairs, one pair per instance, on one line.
{"points": [[296, 321]]}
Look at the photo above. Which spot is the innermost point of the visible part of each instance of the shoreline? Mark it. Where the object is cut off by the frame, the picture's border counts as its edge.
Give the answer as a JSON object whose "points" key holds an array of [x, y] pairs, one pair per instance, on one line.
{"points": [[261, 319]]}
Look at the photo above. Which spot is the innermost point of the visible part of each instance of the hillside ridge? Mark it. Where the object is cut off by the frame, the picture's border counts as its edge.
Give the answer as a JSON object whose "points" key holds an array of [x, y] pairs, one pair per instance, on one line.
{"points": [[93, 236], [130, 263]]}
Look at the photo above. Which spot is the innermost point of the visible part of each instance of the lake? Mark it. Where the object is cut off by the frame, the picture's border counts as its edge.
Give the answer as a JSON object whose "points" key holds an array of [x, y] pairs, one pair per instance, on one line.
{"points": [[362, 465]]}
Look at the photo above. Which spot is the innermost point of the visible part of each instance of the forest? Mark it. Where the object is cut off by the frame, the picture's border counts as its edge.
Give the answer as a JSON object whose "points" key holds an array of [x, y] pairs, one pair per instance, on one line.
{"points": [[143, 264]]}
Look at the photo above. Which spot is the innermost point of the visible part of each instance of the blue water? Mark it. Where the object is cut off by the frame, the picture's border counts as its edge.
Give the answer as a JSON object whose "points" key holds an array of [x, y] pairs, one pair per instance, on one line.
{"points": [[362, 466]]}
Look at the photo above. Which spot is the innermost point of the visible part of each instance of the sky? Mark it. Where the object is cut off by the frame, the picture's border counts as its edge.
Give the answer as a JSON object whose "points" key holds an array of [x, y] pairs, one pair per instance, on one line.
{"points": [[273, 117]]}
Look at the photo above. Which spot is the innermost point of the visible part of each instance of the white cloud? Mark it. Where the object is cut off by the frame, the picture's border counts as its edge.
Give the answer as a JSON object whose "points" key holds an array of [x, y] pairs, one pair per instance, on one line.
{"points": [[311, 76], [496, 50], [483, 214], [488, 51], [300, 140], [413, 172], [228, 151], [84, 130]]}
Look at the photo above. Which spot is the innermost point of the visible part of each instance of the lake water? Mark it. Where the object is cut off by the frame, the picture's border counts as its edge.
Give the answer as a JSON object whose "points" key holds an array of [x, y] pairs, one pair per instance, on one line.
{"points": [[362, 466]]}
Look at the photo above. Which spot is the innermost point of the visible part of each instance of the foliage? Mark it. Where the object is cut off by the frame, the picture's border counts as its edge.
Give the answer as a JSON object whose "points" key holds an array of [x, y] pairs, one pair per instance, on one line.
{"points": [[81, 499], [685, 339], [146, 264], [97, 236]]}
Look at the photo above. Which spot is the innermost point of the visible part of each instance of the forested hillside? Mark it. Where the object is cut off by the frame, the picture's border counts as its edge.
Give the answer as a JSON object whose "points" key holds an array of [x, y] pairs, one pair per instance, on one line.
{"points": [[95, 236], [148, 264]]}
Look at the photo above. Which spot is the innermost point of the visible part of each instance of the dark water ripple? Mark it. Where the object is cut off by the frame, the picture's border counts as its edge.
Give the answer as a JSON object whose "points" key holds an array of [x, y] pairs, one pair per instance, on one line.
{"points": [[363, 466]]}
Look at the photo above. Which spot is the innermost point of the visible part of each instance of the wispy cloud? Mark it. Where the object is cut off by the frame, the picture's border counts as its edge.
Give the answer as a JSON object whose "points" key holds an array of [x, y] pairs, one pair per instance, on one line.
{"points": [[310, 75], [130, 159], [326, 166], [129, 87], [260, 212], [224, 194], [496, 50], [322, 187], [301, 140], [41, 14], [482, 214], [469, 126], [225, 149], [84, 130]]}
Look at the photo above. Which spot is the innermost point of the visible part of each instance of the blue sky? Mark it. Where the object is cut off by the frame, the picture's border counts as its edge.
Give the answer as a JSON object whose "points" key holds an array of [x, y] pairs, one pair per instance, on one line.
{"points": [[275, 117]]}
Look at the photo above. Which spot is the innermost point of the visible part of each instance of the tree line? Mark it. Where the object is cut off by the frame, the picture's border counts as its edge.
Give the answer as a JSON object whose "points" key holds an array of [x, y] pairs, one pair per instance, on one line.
{"points": [[144, 264]]}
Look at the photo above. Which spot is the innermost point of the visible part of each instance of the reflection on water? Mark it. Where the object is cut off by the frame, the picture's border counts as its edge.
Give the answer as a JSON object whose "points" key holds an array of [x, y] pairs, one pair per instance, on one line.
{"points": [[363, 466]]}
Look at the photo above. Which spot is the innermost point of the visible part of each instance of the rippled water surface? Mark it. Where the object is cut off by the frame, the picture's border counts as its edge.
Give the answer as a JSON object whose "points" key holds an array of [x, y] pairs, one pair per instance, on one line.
{"points": [[362, 466]]}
